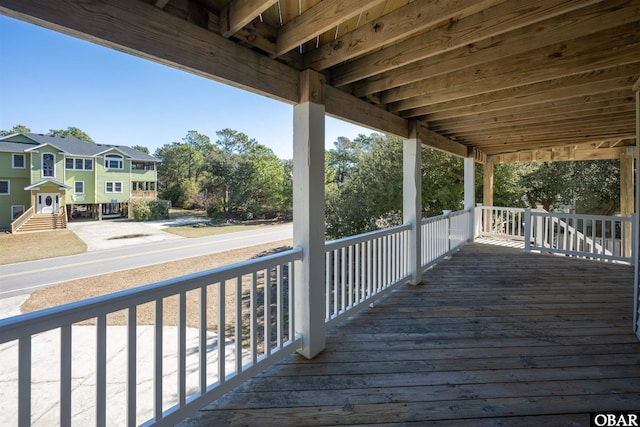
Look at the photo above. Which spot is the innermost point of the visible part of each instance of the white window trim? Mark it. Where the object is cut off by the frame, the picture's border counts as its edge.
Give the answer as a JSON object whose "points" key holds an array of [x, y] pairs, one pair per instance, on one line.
{"points": [[74, 187], [13, 218], [113, 157], [74, 159], [42, 165], [24, 161], [114, 187], [8, 187]]}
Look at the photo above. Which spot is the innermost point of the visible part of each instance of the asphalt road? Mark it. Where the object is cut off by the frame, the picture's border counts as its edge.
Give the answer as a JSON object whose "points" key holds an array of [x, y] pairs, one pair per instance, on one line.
{"points": [[24, 278]]}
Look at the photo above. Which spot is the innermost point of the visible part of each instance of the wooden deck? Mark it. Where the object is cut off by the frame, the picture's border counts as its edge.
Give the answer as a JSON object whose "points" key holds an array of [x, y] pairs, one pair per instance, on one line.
{"points": [[494, 337]]}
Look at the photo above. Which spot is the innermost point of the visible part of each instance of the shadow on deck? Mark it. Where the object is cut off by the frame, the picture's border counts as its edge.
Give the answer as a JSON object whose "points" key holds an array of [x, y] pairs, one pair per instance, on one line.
{"points": [[493, 337]]}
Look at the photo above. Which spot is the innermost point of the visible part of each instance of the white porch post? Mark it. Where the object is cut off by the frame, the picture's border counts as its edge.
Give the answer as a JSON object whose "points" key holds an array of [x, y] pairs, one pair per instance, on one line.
{"points": [[308, 217], [636, 233], [470, 192], [412, 203]]}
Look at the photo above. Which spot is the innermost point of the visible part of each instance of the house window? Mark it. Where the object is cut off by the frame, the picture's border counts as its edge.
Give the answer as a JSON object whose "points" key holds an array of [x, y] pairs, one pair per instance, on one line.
{"points": [[78, 164], [78, 187], [113, 187], [48, 165], [4, 187], [18, 161], [16, 211], [113, 161]]}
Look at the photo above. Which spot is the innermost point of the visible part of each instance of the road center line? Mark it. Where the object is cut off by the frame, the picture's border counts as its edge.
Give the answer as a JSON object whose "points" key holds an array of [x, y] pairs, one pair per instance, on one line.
{"points": [[102, 260]]}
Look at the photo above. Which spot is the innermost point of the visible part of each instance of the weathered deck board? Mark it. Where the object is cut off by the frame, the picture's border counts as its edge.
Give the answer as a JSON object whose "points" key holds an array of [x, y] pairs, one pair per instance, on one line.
{"points": [[493, 337]]}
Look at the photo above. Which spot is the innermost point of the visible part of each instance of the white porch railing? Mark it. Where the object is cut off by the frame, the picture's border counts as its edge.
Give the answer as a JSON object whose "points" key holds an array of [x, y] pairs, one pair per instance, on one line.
{"points": [[230, 324], [585, 236], [359, 269], [443, 234], [500, 223], [244, 322]]}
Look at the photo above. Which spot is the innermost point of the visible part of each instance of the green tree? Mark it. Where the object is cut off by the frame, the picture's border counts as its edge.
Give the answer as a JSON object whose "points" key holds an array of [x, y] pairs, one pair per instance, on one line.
{"points": [[141, 148], [15, 129], [72, 132], [246, 179], [181, 168]]}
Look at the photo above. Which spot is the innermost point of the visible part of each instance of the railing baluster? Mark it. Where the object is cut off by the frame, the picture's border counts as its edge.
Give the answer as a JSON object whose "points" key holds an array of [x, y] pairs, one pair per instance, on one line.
{"points": [[279, 305], [158, 329], [352, 267], [327, 284], [238, 325], [24, 381], [254, 317], [292, 306], [222, 326], [131, 365], [182, 348], [65, 374], [202, 335], [267, 312], [343, 279], [101, 371]]}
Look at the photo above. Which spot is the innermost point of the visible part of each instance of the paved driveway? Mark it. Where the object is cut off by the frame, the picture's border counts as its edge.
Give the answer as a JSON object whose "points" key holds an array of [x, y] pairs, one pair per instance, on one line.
{"points": [[116, 233]]}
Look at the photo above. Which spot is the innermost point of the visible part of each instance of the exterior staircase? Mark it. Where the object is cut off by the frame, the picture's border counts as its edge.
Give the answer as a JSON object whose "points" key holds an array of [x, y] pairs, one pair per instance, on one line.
{"points": [[44, 222]]}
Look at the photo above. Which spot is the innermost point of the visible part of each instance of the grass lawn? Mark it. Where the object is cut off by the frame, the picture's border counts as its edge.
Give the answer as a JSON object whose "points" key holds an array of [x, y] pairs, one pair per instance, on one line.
{"points": [[33, 246], [80, 289], [212, 230]]}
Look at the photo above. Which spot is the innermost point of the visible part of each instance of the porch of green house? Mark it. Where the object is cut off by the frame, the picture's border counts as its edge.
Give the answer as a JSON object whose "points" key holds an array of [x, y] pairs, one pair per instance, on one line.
{"points": [[493, 336]]}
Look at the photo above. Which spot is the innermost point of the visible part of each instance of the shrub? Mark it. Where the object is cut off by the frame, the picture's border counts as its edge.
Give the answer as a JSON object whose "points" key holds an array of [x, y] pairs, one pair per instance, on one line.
{"points": [[149, 210]]}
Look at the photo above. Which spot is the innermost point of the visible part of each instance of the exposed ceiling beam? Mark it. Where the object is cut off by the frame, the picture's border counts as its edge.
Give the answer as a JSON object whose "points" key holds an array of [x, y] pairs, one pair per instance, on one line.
{"points": [[318, 19], [601, 81], [581, 22], [239, 13], [344, 106], [619, 46], [401, 23], [541, 111], [439, 142], [141, 29], [558, 155], [501, 18]]}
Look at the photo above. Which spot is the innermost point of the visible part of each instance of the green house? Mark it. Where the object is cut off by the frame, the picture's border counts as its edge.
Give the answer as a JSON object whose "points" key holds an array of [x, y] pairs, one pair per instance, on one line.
{"points": [[47, 180]]}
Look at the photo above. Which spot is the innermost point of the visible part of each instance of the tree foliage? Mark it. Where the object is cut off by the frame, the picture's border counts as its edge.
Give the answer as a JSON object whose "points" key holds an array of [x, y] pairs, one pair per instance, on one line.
{"points": [[586, 186], [72, 132], [234, 177], [15, 129], [368, 193]]}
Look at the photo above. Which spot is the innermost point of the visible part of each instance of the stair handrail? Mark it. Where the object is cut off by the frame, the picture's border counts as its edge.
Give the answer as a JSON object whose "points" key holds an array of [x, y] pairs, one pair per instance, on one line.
{"points": [[19, 222]]}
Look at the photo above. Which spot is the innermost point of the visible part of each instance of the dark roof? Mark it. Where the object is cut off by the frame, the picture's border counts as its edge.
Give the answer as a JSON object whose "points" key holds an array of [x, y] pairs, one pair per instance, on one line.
{"points": [[69, 145]]}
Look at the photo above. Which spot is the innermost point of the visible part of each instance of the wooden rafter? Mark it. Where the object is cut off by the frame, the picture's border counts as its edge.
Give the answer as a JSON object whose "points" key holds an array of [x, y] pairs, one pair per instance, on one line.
{"points": [[466, 32], [411, 19], [481, 76], [239, 13], [317, 20]]}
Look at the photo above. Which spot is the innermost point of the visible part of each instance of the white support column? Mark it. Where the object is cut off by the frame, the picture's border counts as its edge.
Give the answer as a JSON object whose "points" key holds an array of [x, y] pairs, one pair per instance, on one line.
{"points": [[308, 225], [470, 191], [412, 203], [636, 232]]}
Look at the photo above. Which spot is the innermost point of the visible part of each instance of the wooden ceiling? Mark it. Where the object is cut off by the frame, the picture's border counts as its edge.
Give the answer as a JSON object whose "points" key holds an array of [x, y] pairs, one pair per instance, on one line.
{"points": [[516, 80]]}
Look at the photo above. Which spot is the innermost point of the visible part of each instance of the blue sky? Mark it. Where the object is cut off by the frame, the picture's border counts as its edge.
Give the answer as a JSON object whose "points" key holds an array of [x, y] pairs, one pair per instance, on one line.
{"points": [[52, 81]]}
